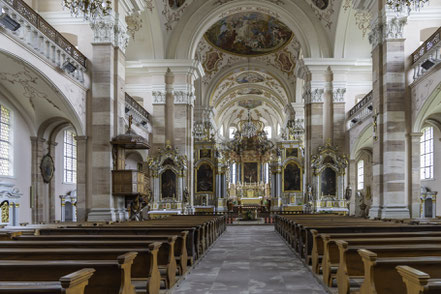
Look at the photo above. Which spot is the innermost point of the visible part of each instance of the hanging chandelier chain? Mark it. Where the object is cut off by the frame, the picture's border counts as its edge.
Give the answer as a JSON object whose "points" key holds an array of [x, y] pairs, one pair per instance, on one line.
{"points": [[88, 9], [406, 6]]}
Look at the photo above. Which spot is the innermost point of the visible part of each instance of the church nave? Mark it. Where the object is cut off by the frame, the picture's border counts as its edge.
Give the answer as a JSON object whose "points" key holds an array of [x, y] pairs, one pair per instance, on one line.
{"points": [[249, 260]]}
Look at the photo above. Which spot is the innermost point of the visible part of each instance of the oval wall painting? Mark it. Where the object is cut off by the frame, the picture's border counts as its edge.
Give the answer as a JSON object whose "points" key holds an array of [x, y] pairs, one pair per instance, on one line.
{"points": [[250, 77], [321, 4], [175, 4], [249, 33]]}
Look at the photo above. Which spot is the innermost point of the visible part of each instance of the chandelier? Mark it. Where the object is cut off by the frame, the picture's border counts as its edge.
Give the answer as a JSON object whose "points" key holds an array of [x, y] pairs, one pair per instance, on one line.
{"points": [[88, 9], [400, 6]]}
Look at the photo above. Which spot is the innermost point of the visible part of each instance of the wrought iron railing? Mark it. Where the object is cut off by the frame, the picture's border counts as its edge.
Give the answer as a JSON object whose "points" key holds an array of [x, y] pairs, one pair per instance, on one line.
{"points": [[360, 105], [52, 34], [426, 56], [430, 43], [139, 113]]}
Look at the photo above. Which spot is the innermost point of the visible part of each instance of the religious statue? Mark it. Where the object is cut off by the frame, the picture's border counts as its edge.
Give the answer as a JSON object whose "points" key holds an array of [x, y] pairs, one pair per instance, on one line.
{"points": [[309, 196], [186, 195], [348, 193]]}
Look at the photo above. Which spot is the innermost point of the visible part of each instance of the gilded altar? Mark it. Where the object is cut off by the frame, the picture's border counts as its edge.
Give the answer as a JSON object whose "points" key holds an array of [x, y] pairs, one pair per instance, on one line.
{"points": [[249, 193]]}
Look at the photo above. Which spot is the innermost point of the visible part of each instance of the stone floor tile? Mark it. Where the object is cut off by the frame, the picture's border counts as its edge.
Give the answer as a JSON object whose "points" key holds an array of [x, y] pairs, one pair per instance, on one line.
{"points": [[250, 260]]}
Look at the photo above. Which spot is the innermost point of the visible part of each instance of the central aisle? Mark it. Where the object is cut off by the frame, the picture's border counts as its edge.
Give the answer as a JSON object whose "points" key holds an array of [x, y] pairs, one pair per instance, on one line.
{"points": [[248, 260]]}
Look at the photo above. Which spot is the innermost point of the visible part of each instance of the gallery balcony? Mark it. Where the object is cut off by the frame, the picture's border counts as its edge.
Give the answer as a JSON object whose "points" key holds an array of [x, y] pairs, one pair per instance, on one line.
{"points": [[427, 56], [140, 115], [360, 111], [27, 27]]}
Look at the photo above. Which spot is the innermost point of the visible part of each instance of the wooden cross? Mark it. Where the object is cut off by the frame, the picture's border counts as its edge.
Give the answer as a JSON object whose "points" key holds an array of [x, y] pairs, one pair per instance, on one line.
{"points": [[130, 122]]}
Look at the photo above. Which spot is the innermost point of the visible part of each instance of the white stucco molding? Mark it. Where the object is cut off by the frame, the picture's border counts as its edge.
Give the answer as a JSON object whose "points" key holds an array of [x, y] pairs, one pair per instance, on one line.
{"points": [[177, 67]]}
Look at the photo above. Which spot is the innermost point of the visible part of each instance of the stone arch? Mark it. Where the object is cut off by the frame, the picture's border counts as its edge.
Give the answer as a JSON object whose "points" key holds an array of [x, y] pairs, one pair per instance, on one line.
{"points": [[67, 93], [296, 15]]}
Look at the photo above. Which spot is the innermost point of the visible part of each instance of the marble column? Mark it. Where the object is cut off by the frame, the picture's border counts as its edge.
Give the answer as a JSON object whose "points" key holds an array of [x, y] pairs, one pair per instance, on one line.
{"points": [[389, 198], [108, 113], [414, 178], [169, 119], [81, 178], [328, 108], [51, 187], [39, 188]]}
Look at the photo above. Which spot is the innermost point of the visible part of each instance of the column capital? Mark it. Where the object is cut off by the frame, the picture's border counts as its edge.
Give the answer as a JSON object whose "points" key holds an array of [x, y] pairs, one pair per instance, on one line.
{"points": [[110, 30], [35, 139], [387, 26]]}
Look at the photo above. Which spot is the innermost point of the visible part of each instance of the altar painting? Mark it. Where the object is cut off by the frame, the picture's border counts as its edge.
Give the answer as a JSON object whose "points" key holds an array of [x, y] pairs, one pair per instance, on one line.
{"points": [[250, 172], [168, 184], [205, 153], [292, 178], [204, 179], [328, 180]]}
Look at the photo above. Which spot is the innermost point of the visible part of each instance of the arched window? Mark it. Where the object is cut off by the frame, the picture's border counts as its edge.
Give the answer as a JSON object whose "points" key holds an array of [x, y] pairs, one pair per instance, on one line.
{"points": [[233, 173], [279, 129], [221, 131], [360, 175], [267, 130], [5, 142], [231, 132], [426, 151], [70, 157]]}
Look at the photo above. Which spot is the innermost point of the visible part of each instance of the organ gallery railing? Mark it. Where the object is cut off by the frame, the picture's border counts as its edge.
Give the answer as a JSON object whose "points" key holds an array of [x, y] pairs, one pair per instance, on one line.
{"points": [[39, 35], [361, 110], [138, 112], [427, 55]]}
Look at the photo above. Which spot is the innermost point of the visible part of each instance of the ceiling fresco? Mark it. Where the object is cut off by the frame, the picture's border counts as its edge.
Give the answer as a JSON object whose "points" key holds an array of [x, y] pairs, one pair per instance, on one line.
{"points": [[249, 34], [321, 4], [250, 77], [175, 4]]}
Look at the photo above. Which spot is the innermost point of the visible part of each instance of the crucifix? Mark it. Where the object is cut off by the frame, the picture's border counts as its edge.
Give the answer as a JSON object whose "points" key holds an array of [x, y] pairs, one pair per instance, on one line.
{"points": [[130, 123], [375, 124]]}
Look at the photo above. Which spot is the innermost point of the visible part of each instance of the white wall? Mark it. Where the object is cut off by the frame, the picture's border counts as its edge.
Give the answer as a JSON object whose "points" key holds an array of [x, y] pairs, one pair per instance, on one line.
{"points": [[21, 160]]}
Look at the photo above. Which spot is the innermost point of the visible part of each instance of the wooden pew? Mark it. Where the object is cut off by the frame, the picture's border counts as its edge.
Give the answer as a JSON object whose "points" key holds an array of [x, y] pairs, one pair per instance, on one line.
{"points": [[166, 259], [110, 277], [145, 272], [418, 282], [331, 255], [381, 276], [191, 245], [318, 248], [351, 264], [180, 249], [73, 283]]}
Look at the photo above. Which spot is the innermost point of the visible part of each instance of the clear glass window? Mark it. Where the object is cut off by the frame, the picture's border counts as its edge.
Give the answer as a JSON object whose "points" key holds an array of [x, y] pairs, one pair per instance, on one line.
{"points": [[5, 142], [426, 145], [70, 157]]}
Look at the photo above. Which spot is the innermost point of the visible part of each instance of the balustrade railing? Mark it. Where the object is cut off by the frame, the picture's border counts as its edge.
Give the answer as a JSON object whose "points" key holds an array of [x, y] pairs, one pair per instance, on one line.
{"points": [[139, 113], [361, 110], [40, 36], [427, 55]]}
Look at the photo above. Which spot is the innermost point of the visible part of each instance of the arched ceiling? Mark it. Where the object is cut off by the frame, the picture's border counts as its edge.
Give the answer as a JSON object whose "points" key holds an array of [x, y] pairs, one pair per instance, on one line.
{"points": [[36, 99]]}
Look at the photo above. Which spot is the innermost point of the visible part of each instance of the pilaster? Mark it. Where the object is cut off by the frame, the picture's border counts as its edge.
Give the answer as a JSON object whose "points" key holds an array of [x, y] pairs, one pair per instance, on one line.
{"points": [[389, 199], [108, 113]]}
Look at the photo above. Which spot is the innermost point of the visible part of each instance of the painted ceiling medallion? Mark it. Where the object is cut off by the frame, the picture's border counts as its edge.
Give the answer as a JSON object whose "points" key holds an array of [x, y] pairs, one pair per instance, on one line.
{"points": [[250, 104], [250, 91], [249, 34], [212, 59], [175, 4], [321, 4], [250, 77], [285, 60]]}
